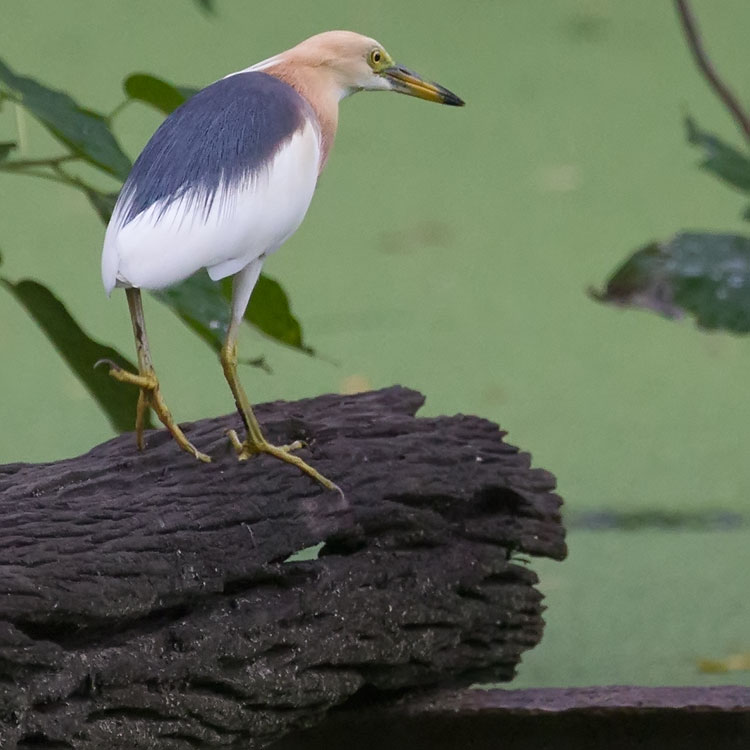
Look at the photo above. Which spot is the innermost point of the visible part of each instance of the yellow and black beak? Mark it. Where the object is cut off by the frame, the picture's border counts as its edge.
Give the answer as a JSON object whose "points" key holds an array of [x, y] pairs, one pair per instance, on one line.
{"points": [[407, 82]]}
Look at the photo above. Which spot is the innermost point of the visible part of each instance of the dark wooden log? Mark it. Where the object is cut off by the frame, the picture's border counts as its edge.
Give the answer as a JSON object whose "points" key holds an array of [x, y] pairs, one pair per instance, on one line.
{"points": [[148, 600], [595, 718]]}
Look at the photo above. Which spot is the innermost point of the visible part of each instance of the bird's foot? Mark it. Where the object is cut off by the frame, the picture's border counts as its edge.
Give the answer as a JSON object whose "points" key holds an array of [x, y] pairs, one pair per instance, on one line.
{"points": [[285, 453], [150, 397]]}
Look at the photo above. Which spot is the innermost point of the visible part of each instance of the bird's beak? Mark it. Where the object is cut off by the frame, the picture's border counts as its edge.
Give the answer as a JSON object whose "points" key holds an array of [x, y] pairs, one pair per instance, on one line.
{"points": [[407, 82]]}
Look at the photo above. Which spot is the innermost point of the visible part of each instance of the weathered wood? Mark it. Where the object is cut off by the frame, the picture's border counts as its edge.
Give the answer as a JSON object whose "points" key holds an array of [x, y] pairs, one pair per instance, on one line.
{"points": [[146, 600], [595, 718]]}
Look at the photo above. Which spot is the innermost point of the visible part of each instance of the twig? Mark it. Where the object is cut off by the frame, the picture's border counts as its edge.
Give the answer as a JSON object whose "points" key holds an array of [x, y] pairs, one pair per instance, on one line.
{"points": [[117, 110], [21, 164], [687, 19], [36, 173], [21, 129]]}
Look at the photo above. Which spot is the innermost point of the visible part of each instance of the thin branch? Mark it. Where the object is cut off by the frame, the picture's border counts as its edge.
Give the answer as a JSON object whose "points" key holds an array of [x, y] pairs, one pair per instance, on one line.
{"points": [[38, 173], [47, 169], [689, 26], [72, 180], [117, 110], [21, 127], [22, 164]]}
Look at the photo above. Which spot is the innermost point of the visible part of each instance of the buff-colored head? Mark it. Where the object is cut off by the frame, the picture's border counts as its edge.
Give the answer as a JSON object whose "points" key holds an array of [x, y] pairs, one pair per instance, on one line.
{"points": [[353, 62]]}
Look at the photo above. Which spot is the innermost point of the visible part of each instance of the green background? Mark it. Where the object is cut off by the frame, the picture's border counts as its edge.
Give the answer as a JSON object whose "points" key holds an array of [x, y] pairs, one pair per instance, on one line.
{"points": [[450, 251]]}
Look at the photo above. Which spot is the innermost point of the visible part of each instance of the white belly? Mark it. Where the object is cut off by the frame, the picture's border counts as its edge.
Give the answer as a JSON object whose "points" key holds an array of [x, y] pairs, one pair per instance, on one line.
{"points": [[161, 247]]}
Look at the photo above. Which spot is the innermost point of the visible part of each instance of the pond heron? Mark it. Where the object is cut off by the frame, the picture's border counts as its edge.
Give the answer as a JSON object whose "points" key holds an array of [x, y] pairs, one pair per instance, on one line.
{"points": [[225, 180]]}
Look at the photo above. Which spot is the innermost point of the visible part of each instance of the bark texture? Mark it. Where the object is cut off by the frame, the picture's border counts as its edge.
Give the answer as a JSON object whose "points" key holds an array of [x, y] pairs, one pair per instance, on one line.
{"points": [[149, 601]]}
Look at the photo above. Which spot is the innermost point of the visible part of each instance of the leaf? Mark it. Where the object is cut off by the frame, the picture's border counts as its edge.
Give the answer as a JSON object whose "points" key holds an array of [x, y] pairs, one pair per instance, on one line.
{"points": [[199, 302], [79, 351], [5, 148], [702, 274], [204, 306], [723, 160], [270, 313], [201, 305], [84, 131], [732, 663], [154, 91]]}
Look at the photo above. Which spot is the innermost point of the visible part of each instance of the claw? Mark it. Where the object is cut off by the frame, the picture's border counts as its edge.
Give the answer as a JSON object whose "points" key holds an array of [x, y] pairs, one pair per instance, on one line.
{"points": [[150, 397], [109, 362], [249, 448]]}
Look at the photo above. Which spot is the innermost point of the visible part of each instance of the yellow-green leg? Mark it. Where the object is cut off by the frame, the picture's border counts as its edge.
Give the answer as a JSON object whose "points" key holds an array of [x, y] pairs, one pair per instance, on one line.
{"points": [[254, 443], [150, 393]]}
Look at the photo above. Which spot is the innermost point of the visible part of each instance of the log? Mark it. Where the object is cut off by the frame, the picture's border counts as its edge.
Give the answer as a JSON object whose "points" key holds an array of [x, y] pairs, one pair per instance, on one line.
{"points": [[593, 718], [151, 601]]}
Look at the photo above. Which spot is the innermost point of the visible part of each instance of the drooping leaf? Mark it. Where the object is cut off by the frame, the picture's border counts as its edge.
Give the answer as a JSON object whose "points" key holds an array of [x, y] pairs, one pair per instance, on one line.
{"points": [[701, 274], [5, 148], [154, 91], [84, 131], [204, 306], [725, 161], [200, 304], [270, 313], [79, 351]]}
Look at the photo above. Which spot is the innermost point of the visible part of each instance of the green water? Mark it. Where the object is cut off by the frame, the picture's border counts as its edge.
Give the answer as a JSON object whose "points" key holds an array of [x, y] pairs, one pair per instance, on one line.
{"points": [[450, 250]]}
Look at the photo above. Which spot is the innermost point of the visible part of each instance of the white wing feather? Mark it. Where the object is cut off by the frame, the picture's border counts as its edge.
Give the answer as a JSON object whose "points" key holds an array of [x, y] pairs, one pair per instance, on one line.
{"points": [[161, 247]]}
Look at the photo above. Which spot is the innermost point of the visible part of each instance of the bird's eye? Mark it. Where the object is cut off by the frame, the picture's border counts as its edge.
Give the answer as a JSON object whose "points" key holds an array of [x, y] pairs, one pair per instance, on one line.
{"points": [[376, 57]]}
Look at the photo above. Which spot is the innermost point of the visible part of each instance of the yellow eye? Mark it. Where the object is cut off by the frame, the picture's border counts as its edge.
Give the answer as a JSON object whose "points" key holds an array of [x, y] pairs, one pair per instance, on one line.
{"points": [[376, 57]]}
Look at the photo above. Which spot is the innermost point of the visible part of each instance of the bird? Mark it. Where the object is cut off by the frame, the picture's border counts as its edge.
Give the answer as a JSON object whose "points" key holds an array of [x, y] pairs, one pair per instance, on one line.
{"points": [[223, 182]]}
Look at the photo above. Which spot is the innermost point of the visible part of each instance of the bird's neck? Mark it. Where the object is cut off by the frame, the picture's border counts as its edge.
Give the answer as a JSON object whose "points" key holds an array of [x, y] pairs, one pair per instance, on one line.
{"points": [[323, 97]]}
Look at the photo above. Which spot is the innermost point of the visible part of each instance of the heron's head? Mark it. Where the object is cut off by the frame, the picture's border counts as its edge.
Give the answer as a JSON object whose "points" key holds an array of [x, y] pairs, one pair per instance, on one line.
{"points": [[354, 62]]}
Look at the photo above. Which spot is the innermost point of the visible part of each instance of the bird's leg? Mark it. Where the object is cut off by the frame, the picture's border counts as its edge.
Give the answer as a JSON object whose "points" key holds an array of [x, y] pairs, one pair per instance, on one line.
{"points": [[146, 380], [255, 442]]}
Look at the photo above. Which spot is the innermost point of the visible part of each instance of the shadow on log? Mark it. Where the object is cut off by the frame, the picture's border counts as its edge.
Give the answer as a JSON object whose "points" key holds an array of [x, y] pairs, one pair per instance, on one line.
{"points": [[149, 601]]}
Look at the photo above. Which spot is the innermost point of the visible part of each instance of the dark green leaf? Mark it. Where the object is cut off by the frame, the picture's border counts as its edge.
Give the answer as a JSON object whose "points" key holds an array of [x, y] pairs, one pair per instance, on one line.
{"points": [[269, 311], [154, 91], [702, 274], [103, 203], [84, 131], [79, 351], [204, 306], [5, 148], [723, 160], [198, 301]]}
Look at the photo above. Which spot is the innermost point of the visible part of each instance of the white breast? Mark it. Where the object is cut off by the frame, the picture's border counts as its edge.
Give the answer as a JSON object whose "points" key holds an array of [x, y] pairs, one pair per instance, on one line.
{"points": [[163, 246]]}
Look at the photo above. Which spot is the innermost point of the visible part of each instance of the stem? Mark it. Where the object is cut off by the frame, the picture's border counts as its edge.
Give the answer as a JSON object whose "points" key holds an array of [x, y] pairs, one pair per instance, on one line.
{"points": [[116, 111], [21, 129], [35, 168], [20, 164], [689, 27], [37, 173]]}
